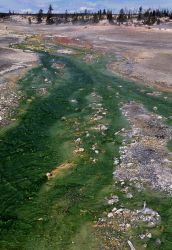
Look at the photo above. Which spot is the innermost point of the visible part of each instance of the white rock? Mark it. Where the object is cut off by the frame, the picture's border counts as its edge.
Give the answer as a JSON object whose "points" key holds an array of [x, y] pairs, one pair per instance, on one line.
{"points": [[149, 235], [159, 117], [103, 128], [129, 164], [142, 236], [115, 198], [63, 118], [110, 215], [79, 150], [87, 134], [166, 160], [73, 101], [40, 219], [111, 202], [116, 133], [129, 195], [114, 209], [127, 225], [48, 174], [78, 140], [116, 161], [149, 211], [131, 245], [151, 224], [94, 160], [119, 211]]}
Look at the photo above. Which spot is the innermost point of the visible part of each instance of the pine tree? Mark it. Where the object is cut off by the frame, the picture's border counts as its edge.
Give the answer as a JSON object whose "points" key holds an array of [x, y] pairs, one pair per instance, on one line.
{"points": [[100, 14], [95, 18], [104, 12], [75, 18], [66, 16], [109, 16], [122, 17], [130, 16], [140, 15], [49, 15], [39, 16]]}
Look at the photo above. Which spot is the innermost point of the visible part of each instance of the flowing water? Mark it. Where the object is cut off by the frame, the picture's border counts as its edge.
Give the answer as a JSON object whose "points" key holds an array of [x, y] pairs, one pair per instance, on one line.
{"points": [[57, 124]]}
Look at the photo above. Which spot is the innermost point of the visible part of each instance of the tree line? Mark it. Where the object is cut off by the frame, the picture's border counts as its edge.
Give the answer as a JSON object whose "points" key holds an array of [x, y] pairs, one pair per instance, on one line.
{"points": [[147, 17]]}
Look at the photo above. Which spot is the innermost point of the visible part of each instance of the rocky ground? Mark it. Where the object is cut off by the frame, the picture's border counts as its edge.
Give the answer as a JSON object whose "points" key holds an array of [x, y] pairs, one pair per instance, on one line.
{"points": [[13, 65], [144, 162], [145, 158], [121, 224]]}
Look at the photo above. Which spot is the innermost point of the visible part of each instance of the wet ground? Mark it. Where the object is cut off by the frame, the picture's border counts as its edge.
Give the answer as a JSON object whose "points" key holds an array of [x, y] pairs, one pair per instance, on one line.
{"points": [[84, 161]]}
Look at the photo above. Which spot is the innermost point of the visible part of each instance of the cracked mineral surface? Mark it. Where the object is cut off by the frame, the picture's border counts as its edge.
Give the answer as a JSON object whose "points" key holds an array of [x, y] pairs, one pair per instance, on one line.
{"points": [[145, 159]]}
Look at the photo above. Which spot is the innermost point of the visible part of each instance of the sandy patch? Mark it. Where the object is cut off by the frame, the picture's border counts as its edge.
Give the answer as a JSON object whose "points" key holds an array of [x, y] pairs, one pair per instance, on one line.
{"points": [[59, 170]]}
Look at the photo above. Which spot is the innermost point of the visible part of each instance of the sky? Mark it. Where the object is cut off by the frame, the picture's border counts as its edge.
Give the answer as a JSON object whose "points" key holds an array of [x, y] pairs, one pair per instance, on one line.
{"points": [[78, 5]]}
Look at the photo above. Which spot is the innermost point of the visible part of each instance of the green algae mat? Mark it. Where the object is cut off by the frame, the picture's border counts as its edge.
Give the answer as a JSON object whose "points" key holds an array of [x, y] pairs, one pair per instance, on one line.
{"points": [[56, 160]]}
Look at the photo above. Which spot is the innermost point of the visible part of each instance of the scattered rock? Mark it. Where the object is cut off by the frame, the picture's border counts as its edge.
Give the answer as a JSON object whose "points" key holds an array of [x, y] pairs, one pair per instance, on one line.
{"points": [[145, 156], [110, 215], [73, 101], [113, 200], [78, 140], [149, 235], [63, 118], [142, 236], [40, 219], [114, 209], [79, 150], [129, 196]]}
